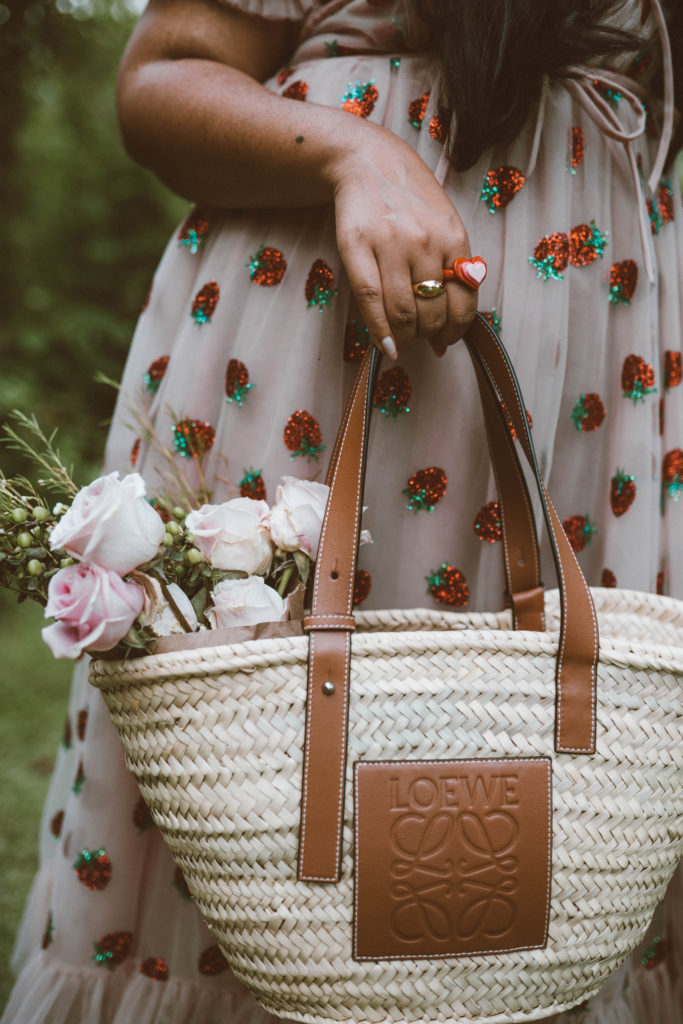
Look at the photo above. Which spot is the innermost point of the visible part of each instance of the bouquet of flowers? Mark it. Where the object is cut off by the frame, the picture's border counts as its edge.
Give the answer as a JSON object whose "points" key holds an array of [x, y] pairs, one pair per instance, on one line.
{"points": [[116, 569]]}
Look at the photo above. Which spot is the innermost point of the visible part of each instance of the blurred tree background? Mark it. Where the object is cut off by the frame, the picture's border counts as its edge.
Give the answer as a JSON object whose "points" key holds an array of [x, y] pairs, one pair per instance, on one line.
{"points": [[81, 231], [82, 226]]}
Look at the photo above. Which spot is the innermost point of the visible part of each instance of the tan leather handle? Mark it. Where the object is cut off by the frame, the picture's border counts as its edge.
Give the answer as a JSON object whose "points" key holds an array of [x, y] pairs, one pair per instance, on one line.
{"points": [[524, 589], [330, 622]]}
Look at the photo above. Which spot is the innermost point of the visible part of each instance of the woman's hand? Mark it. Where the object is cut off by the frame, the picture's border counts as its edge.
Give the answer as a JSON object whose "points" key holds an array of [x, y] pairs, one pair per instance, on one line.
{"points": [[396, 226]]}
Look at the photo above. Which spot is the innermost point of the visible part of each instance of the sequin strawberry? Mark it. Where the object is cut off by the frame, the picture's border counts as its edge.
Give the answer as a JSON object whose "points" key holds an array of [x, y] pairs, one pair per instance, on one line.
{"points": [[252, 486], [487, 523], [154, 967], [586, 244], [576, 148], [267, 267], [82, 723], [392, 392], [46, 940], [93, 868], [194, 231], [492, 317], [56, 823], [154, 374], [193, 438], [673, 369], [665, 201], [589, 412], [319, 288], [112, 949], [180, 885], [448, 585], [613, 96], [360, 98], [654, 215], [205, 302], [551, 256], [672, 473], [660, 583], [655, 954], [608, 579], [142, 819], [425, 489], [356, 341], [418, 109], [283, 74], [580, 531], [623, 281], [135, 452], [79, 780], [501, 185], [211, 962], [362, 585], [67, 735], [622, 492], [302, 435], [437, 127], [298, 90], [237, 386], [637, 378]]}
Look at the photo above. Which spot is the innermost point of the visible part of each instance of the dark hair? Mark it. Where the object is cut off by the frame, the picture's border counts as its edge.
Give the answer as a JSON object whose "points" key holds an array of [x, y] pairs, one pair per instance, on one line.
{"points": [[493, 55]]}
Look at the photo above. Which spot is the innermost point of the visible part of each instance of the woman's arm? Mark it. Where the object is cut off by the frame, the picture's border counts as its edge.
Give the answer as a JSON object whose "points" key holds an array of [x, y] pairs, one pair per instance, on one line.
{"points": [[192, 110]]}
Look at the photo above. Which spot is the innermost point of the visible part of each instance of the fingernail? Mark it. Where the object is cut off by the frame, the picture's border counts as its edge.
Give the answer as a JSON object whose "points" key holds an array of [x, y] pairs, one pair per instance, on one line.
{"points": [[388, 347]]}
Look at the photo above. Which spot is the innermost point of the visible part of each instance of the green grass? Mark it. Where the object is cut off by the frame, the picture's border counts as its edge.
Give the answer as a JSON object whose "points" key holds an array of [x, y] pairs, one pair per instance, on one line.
{"points": [[33, 697]]}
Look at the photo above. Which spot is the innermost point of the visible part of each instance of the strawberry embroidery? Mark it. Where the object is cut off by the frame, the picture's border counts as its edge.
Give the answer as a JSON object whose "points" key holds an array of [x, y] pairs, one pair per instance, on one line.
{"points": [[622, 492]]}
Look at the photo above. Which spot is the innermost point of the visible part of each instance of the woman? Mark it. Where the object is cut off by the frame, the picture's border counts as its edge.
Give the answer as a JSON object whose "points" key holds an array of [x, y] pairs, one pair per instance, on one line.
{"points": [[324, 197]]}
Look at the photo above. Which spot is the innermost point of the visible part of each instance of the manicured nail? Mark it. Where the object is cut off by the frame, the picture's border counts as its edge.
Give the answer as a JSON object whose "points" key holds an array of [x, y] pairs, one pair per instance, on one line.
{"points": [[388, 347]]}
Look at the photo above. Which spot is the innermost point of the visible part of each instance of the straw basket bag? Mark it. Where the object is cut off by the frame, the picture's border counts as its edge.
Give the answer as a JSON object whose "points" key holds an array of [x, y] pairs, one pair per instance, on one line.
{"points": [[422, 815]]}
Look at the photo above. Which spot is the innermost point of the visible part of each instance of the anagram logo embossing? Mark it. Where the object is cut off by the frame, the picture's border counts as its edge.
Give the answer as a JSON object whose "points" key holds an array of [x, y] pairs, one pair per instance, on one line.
{"points": [[489, 875], [448, 853], [420, 843], [431, 889]]}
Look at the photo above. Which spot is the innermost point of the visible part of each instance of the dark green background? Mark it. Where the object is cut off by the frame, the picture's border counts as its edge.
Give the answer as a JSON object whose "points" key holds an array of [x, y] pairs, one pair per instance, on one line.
{"points": [[80, 234]]}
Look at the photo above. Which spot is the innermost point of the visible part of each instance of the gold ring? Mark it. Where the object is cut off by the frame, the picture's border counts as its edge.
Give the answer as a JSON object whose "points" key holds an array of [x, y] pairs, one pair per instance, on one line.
{"points": [[429, 289]]}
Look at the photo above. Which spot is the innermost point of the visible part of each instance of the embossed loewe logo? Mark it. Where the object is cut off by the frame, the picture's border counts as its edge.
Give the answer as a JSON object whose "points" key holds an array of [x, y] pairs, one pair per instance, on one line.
{"points": [[485, 876], [452, 857]]}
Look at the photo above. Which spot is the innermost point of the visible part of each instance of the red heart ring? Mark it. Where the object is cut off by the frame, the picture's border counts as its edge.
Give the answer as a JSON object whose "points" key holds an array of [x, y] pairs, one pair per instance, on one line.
{"points": [[471, 271]]}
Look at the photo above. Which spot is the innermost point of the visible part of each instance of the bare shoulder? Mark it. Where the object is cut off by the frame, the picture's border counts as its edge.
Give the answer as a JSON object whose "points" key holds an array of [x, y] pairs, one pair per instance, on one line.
{"points": [[209, 30]]}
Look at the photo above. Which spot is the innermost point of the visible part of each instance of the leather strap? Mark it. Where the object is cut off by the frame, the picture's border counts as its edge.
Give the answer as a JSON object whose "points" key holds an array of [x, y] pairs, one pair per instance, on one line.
{"points": [[578, 651], [329, 625]]}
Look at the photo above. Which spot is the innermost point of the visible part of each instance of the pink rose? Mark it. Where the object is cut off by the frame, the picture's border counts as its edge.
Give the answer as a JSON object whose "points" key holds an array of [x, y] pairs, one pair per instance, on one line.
{"points": [[111, 524], [296, 518], [94, 609], [233, 535], [245, 602]]}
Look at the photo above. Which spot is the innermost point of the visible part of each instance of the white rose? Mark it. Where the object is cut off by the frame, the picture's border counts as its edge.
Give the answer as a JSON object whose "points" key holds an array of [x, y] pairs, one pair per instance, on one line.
{"points": [[111, 524], [297, 517], [157, 612], [245, 602], [233, 535]]}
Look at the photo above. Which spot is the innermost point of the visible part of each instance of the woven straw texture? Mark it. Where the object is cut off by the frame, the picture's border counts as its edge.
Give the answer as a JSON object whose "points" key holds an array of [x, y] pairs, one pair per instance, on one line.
{"points": [[215, 740]]}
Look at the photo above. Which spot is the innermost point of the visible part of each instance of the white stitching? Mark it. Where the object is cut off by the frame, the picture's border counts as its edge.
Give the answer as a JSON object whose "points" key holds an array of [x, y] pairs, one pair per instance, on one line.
{"points": [[562, 648], [356, 875], [358, 388]]}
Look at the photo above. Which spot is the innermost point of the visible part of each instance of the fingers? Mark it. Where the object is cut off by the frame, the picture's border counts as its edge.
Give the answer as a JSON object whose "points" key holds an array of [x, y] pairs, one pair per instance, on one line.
{"points": [[366, 284]]}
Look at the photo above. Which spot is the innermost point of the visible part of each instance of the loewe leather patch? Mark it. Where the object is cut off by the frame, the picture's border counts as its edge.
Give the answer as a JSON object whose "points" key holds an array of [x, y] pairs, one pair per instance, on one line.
{"points": [[452, 857]]}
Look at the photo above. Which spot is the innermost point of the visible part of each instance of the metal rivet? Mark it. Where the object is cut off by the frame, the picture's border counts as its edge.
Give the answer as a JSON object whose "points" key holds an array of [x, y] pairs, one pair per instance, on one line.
{"points": [[328, 688]]}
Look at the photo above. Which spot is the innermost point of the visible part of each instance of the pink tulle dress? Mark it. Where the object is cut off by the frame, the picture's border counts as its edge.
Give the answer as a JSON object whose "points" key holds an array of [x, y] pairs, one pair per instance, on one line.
{"points": [[242, 359]]}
